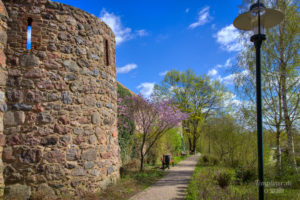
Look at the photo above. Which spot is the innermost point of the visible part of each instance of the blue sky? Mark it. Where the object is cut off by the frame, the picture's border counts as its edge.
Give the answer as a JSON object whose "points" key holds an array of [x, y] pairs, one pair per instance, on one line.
{"points": [[156, 36]]}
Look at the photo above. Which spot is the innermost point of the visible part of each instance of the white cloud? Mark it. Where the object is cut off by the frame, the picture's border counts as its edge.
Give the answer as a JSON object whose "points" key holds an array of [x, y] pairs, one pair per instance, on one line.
{"points": [[212, 72], [228, 80], [163, 73], [228, 38], [122, 33], [127, 68], [215, 71], [230, 99], [146, 89], [187, 10], [228, 62], [219, 78], [203, 18], [236, 102], [141, 32]]}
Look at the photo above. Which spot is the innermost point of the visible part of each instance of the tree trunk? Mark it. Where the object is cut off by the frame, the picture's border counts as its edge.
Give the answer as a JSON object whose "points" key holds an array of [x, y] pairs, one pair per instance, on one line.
{"points": [[288, 123], [142, 162], [278, 128], [283, 74], [209, 143], [194, 141], [142, 153], [195, 125], [190, 145], [278, 150]]}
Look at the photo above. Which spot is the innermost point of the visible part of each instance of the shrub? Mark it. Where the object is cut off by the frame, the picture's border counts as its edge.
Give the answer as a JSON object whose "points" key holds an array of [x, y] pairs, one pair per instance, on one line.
{"points": [[293, 180], [129, 167], [214, 160], [132, 165], [235, 163], [224, 178], [245, 175], [249, 175], [298, 160], [209, 160], [205, 158]]}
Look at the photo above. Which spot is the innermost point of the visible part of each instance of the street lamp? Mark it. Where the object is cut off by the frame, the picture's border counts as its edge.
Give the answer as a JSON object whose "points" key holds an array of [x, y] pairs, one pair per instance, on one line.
{"points": [[257, 19]]}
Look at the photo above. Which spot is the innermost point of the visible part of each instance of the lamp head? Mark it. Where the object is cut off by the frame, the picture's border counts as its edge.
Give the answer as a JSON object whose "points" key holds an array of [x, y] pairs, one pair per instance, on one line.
{"points": [[249, 20], [255, 10]]}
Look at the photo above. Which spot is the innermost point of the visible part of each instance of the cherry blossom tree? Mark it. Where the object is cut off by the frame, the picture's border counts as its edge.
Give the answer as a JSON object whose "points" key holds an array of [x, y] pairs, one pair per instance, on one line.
{"points": [[152, 120]]}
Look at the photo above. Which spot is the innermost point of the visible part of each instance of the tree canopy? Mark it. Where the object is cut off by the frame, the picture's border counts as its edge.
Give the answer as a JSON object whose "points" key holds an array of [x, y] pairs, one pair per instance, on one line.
{"points": [[197, 95]]}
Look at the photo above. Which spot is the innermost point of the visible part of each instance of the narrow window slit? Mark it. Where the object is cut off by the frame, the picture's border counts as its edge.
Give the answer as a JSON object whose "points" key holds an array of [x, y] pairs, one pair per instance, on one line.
{"points": [[29, 25], [106, 53]]}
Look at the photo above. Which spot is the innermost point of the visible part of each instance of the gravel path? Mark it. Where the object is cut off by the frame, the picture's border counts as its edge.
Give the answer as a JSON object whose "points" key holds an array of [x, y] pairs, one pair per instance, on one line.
{"points": [[173, 186]]}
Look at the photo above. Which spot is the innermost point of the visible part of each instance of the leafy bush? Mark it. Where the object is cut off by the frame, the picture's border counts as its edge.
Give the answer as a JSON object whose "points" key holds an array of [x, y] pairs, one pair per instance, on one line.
{"points": [[205, 158], [235, 163], [169, 143], [295, 181], [130, 166], [224, 178], [292, 180], [214, 160], [245, 175], [209, 160], [298, 160]]}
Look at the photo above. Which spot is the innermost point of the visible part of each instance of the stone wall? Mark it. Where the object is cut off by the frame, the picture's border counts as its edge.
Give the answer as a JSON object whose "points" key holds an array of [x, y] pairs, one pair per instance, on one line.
{"points": [[3, 77], [60, 124]]}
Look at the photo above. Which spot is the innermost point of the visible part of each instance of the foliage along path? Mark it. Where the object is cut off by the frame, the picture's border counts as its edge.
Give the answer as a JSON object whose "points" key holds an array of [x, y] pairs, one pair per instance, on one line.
{"points": [[174, 185]]}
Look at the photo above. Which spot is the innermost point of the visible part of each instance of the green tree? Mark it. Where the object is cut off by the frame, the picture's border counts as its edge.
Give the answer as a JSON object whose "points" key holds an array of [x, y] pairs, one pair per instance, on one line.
{"points": [[287, 37], [280, 72], [169, 143], [230, 142], [197, 95]]}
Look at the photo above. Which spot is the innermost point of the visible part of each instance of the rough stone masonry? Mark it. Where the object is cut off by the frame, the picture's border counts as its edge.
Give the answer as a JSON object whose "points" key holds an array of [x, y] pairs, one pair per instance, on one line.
{"points": [[58, 100]]}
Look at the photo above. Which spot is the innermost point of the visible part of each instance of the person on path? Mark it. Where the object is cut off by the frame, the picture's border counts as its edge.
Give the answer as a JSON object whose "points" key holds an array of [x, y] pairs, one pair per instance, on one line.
{"points": [[167, 161]]}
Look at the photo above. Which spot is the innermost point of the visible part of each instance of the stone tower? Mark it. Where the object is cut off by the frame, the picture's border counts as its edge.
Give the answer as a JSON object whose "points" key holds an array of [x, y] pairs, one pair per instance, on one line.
{"points": [[3, 78], [58, 100]]}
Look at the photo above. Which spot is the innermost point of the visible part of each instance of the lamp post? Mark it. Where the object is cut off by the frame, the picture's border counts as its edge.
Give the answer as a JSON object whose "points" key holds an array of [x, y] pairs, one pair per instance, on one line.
{"points": [[257, 19]]}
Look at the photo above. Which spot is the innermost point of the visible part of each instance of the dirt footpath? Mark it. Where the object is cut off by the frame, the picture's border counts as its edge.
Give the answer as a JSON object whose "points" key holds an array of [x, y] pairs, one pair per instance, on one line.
{"points": [[173, 186]]}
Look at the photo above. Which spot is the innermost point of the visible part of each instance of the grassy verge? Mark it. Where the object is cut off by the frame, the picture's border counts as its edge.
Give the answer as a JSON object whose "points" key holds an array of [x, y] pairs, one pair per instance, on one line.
{"points": [[178, 159], [219, 182], [131, 183]]}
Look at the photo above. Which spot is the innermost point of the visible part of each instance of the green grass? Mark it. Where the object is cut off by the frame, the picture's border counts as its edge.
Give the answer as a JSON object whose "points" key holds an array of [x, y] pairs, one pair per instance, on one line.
{"points": [[204, 186], [131, 183], [178, 159]]}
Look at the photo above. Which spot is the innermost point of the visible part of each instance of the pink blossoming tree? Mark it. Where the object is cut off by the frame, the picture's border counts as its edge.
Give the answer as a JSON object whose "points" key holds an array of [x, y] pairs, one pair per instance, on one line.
{"points": [[152, 120]]}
